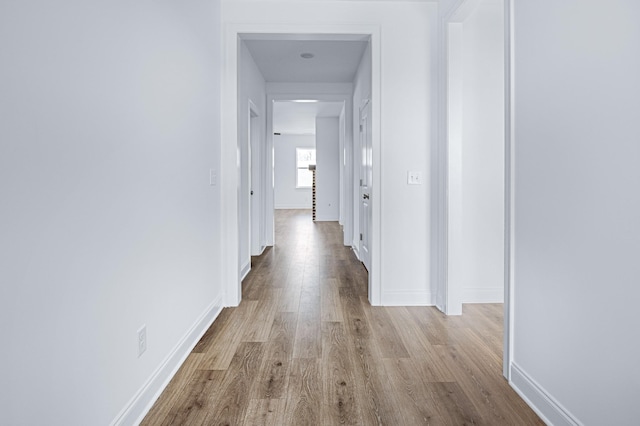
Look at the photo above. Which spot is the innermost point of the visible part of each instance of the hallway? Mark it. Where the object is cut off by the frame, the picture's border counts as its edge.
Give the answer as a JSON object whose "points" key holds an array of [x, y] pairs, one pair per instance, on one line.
{"points": [[305, 348]]}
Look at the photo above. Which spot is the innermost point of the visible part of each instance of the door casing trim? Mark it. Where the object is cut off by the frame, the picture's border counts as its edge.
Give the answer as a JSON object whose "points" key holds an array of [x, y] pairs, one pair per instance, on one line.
{"points": [[232, 32]]}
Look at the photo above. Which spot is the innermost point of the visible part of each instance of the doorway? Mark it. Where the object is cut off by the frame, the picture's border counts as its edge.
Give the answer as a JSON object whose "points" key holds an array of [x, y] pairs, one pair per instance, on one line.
{"points": [[477, 169], [307, 132], [231, 225], [476, 172]]}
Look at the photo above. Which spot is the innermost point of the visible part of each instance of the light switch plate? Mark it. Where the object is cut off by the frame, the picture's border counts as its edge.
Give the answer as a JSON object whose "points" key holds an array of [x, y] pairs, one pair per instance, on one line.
{"points": [[213, 177], [414, 178]]}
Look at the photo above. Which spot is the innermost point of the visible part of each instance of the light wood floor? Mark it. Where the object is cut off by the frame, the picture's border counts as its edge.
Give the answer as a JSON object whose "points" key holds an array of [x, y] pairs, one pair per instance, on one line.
{"points": [[305, 348]]}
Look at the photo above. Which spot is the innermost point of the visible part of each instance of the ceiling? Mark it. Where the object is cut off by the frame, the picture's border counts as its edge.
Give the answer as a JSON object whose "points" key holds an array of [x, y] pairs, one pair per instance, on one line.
{"points": [[334, 61], [300, 118], [278, 58]]}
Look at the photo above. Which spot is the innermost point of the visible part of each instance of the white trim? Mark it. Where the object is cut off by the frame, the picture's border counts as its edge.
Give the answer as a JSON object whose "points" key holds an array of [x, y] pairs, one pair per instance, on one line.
{"points": [[309, 90], [262, 249], [229, 161], [441, 198], [540, 401], [454, 36], [354, 247], [482, 295], [510, 179], [407, 298], [244, 271], [138, 407], [375, 239], [436, 230]]}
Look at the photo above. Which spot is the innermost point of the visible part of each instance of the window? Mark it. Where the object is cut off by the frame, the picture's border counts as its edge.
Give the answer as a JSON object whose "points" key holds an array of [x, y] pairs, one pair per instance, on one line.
{"points": [[304, 176]]}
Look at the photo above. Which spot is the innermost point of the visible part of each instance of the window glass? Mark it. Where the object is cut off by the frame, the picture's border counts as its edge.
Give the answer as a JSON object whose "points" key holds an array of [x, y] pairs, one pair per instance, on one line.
{"points": [[304, 158]]}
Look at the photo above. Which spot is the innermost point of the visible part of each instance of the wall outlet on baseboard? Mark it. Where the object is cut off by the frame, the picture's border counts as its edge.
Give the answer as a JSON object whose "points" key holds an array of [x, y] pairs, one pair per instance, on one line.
{"points": [[142, 340]]}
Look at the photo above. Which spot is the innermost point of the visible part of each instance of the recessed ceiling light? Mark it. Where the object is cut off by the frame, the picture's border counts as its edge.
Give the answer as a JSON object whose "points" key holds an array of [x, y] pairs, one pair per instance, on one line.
{"points": [[307, 55]]}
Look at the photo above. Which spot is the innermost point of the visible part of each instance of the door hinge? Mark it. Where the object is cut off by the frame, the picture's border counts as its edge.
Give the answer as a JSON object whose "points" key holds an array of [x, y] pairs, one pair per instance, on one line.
{"points": [[360, 182], [361, 127], [360, 237]]}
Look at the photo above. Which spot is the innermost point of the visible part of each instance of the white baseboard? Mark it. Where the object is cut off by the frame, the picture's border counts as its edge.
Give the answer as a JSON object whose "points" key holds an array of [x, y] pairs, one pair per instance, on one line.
{"points": [[293, 207], [545, 406], [244, 271], [141, 403], [262, 249], [483, 295], [406, 298], [354, 247]]}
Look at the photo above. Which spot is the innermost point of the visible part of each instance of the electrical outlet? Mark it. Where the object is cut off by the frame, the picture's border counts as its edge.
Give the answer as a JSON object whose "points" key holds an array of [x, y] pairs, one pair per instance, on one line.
{"points": [[142, 340]]}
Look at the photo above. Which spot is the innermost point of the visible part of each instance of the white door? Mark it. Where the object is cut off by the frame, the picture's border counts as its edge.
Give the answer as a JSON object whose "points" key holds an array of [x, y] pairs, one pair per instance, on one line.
{"points": [[255, 187], [365, 184], [244, 204]]}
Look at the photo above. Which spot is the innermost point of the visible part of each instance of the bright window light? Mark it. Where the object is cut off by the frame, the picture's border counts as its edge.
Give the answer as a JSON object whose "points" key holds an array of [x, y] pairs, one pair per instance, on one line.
{"points": [[304, 158]]}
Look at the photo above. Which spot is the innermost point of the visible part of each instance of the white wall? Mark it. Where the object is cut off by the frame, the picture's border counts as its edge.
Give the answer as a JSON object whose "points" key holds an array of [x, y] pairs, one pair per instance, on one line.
{"points": [[406, 139], [577, 234], [110, 124], [479, 259], [328, 169], [287, 196], [251, 88]]}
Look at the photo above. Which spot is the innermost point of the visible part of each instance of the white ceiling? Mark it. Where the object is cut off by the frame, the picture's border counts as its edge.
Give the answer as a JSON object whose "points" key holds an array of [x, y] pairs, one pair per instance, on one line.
{"points": [[278, 58], [335, 61], [300, 118]]}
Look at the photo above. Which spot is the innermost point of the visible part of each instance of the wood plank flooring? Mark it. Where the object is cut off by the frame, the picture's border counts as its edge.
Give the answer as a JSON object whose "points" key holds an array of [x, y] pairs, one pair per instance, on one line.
{"points": [[305, 348]]}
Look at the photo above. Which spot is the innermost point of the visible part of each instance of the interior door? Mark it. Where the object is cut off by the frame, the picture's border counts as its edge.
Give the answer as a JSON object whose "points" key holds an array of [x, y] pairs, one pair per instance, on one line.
{"points": [[255, 193], [365, 184]]}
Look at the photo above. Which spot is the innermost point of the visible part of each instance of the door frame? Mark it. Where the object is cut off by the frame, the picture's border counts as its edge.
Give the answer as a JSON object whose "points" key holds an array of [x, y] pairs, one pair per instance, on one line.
{"points": [[441, 195], [229, 130]]}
